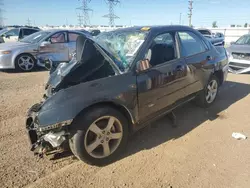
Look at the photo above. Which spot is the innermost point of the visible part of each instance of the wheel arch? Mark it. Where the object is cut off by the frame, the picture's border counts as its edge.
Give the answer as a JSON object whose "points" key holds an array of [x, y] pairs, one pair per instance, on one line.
{"points": [[23, 53], [219, 74], [121, 108]]}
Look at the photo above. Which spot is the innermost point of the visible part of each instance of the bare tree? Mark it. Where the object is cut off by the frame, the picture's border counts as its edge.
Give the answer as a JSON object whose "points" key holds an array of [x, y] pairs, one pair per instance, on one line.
{"points": [[214, 24]]}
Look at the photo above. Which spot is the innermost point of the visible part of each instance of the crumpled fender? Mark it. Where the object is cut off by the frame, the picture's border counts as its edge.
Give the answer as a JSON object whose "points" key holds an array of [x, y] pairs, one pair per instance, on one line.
{"points": [[66, 104]]}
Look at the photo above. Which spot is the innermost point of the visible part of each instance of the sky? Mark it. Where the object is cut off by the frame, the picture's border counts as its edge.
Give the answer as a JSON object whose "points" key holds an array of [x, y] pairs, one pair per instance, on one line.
{"points": [[131, 12]]}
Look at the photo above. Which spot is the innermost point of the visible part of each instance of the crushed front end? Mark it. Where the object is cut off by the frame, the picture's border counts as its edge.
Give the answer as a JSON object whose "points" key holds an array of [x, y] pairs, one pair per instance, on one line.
{"points": [[45, 140], [239, 63]]}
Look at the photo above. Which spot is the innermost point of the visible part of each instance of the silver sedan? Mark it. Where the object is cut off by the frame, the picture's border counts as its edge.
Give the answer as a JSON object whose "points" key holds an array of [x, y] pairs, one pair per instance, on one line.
{"points": [[29, 52], [239, 55]]}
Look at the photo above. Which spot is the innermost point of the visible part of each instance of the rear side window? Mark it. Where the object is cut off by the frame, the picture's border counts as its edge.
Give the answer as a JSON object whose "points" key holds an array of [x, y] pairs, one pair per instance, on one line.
{"points": [[191, 44], [73, 37], [27, 32]]}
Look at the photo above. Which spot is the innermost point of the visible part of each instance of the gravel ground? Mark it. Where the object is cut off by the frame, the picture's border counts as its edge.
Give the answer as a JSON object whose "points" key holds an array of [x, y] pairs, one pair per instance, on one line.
{"points": [[200, 152]]}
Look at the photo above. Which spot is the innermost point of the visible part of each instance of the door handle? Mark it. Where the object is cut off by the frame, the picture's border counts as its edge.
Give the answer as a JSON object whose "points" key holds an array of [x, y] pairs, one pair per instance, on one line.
{"points": [[209, 58], [180, 68]]}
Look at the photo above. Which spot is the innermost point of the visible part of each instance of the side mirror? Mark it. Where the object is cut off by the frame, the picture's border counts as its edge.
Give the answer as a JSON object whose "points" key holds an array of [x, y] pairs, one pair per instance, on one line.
{"points": [[48, 64], [45, 43], [232, 43], [143, 65], [7, 36]]}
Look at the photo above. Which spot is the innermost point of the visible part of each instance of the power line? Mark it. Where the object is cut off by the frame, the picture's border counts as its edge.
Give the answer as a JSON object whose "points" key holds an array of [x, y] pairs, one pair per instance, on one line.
{"points": [[111, 15], [190, 14], [85, 11]]}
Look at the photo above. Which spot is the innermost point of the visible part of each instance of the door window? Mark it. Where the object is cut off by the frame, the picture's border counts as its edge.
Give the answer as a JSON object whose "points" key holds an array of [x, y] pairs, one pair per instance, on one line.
{"points": [[58, 38], [191, 44], [162, 50], [73, 37], [12, 32], [27, 32]]}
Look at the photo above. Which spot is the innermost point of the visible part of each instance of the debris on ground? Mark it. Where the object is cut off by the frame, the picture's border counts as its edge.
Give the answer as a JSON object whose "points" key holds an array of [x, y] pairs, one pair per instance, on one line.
{"points": [[239, 136]]}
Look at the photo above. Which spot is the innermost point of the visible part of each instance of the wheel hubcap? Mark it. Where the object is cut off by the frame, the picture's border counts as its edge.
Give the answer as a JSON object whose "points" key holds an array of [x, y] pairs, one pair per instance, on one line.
{"points": [[211, 91], [26, 63], [103, 137]]}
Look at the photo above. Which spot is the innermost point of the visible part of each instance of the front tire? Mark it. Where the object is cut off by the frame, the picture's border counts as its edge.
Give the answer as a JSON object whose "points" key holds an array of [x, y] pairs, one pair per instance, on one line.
{"points": [[25, 63], [209, 94], [101, 135]]}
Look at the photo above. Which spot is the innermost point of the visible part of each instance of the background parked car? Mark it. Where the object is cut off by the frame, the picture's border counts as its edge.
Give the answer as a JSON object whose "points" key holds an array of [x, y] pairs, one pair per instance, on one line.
{"points": [[239, 55], [217, 39], [13, 34], [31, 51], [95, 32]]}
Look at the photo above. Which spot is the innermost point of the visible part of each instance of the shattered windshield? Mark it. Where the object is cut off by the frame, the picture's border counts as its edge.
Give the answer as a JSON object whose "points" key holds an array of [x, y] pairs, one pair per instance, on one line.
{"points": [[35, 37], [123, 45], [243, 40]]}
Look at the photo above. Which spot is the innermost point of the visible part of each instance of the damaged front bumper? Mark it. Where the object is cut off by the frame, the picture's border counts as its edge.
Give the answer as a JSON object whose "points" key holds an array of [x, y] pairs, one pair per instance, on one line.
{"points": [[237, 66], [48, 139]]}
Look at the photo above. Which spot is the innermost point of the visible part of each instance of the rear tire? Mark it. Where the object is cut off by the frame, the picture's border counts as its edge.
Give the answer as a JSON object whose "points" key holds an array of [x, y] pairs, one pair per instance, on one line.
{"points": [[209, 94], [25, 63], [100, 135]]}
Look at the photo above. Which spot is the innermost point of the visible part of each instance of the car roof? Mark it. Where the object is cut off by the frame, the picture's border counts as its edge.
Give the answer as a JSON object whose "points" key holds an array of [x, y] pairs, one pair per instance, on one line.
{"points": [[22, 27], [29, 28], [63, 30], [157, 29], [247, 35]]}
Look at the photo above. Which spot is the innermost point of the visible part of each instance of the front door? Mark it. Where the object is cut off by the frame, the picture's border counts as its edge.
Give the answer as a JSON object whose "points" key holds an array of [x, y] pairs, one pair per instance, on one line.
{"points": [[163, 84], [72, 36], [57, 50]]}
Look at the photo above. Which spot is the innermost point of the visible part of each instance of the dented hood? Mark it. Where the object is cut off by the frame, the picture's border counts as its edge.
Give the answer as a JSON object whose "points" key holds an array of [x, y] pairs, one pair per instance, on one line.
{"points": [[80, 67], [239, 48]]}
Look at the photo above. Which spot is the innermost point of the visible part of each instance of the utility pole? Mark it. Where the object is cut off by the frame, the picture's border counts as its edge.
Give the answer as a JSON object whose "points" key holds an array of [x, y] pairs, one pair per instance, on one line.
{"points": [[1, 13], [28, 22], [180, 19], [85, 11], [111, 15], [80, 20], [190, 8]]}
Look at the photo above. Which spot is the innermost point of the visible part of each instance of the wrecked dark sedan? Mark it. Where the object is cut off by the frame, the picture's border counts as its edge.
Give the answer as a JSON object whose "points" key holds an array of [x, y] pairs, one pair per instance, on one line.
{"points": [[117, 83]]}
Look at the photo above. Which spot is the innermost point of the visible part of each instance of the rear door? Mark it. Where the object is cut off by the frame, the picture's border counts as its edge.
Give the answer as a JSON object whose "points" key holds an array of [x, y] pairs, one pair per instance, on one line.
{"points": [[57, 50], [163, 84], [196, 54]]}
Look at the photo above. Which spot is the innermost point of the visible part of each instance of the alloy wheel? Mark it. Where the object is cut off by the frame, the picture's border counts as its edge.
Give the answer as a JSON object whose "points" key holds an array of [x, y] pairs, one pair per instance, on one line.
{"points": [[26, 63], [103, 137], [212, 90]]}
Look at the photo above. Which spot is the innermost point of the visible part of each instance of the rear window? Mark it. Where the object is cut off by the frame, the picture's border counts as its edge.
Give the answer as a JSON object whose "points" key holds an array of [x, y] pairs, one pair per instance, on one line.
{"points": [[204, 32]]}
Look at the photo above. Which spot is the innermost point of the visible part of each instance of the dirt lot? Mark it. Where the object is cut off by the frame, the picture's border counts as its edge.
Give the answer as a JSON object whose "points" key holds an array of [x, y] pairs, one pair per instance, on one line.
{"points": [[198, 153]]}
